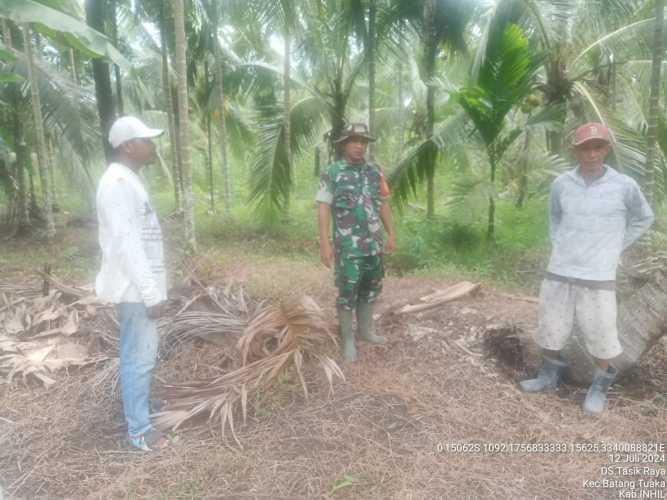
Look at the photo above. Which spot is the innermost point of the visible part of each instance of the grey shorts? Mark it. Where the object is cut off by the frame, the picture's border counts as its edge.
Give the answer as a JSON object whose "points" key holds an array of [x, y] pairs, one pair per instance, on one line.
{"points": [[594, 311]]}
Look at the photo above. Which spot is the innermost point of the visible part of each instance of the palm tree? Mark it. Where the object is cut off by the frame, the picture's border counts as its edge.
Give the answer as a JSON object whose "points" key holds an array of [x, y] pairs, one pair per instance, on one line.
{"points": [[96, 16], [183, 120], [437, 23], [656, 191], [505, 78], [22, 201], [42, 154]]}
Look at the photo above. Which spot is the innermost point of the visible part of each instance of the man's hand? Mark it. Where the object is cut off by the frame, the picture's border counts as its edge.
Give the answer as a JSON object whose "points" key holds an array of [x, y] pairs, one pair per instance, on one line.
{"points": [[390, 245], [156, 311], [326, 253]]}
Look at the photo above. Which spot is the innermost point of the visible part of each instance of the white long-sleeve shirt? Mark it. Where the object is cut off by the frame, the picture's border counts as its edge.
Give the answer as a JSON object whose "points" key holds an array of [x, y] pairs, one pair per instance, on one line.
{"points": [[133, 268], [591, 225]]}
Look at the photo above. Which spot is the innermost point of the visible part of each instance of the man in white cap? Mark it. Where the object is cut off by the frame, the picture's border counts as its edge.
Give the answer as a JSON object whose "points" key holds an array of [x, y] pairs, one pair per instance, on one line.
{"points": [[133, 273], [595, 214]]}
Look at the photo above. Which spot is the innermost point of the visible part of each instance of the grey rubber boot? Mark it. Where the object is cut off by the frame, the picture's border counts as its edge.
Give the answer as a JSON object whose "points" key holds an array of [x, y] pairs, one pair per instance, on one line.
{"points": [[548, 377], [365, 324], [596, 397], [347, 334]]}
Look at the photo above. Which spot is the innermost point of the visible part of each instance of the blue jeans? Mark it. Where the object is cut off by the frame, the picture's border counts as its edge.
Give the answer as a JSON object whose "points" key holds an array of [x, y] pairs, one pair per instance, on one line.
{"points": [[138, 350]]}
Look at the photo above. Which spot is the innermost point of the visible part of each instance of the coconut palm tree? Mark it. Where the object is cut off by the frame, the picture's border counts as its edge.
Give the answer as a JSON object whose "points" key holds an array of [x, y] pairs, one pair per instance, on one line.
{"points": [[183, 123], [656, 191], [505, 78], [437, 23], [40, 139]]}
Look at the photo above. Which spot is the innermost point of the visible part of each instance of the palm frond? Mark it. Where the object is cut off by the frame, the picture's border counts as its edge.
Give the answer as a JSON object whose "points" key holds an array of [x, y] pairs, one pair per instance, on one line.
{"points": [[271, 177], [277, 338]]}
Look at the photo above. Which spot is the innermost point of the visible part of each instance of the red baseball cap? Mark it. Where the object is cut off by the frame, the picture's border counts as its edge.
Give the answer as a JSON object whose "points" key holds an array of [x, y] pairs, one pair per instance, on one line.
{"points": [[590, 131]]}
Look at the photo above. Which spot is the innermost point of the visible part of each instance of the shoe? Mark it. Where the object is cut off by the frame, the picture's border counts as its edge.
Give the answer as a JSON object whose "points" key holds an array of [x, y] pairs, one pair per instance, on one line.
{"points": [[151, 440], [548, 377], [596, 397], [365, 324], [347, 335]]}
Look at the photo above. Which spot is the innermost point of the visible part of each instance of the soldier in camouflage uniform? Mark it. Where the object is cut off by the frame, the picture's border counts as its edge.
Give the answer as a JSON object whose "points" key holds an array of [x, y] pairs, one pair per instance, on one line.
{"points": [[355, 195]]}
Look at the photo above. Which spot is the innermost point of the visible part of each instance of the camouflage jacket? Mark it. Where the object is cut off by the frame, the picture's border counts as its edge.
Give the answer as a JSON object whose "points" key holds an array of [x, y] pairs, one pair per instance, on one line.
{"points": [[355, 194]]}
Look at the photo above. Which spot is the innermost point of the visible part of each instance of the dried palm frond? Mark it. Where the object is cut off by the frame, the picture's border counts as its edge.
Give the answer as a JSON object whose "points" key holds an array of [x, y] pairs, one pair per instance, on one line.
{"points": [[225, 312], [41, 357], [277, 338]]}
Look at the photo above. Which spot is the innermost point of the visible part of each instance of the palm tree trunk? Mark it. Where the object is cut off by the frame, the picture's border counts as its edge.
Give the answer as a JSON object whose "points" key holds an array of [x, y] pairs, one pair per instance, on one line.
{"points": [[287, 104], [52, 178], [22, 199], [656, 191], [42, 154], [400, 87], [183, 118], [429, 73], [223, 134], [211, 180], [169, 105], [491, 228], [641, 320], [116, 68], [72, 64], [95, 17], [372, 10], [209, 144]]}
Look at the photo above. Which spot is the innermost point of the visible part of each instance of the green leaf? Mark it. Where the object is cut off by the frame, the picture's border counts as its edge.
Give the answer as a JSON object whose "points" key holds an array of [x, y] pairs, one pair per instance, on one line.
{"points": [[10, 78], [63, 28], [5, 54]]}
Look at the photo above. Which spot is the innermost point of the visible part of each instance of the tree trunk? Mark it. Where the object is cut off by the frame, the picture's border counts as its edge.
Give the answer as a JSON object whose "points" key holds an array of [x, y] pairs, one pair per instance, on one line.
{"points": [[42, 154], [656, 190], [209, 144], [183, 118], [287, 104], [116, 68], [72, 64], [223, 133], [22, 199], [400, 87], [372, 9], [641, 320], [95, 17], [169, 104], [211, 180], [491, 228], [52, 176], [429, 73]]}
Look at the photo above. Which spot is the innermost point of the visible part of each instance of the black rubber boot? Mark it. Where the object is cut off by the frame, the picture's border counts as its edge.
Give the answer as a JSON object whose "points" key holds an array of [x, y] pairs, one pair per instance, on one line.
{"points": [[596, 397], [548, 377]]}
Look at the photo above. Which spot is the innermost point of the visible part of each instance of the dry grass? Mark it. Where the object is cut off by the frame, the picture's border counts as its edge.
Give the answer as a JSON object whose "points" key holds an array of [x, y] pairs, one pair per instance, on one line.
{"points": [[381, 434]]}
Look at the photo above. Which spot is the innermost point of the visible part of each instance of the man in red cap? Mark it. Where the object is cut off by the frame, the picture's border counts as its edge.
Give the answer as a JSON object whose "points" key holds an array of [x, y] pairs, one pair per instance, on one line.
{"points": [[595, 214]]}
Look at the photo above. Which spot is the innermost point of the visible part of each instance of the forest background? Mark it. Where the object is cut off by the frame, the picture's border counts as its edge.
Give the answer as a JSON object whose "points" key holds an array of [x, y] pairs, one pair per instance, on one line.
{"points": [[473, 103]]}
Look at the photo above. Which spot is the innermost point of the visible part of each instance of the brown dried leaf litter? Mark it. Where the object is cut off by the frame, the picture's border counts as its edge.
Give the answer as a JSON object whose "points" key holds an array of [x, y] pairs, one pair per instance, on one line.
{"points": [[40, 337]]}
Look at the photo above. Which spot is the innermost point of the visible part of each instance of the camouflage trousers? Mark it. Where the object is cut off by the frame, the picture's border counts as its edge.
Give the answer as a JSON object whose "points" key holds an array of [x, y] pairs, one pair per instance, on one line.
{"points": [[359, 279]]}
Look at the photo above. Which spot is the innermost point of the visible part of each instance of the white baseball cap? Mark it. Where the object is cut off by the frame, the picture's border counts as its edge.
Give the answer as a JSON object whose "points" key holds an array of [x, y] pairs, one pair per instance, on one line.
{"points": [[127, 128]]}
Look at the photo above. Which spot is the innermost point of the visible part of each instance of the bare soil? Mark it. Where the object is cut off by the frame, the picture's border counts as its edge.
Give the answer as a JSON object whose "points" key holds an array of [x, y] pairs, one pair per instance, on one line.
{"points": [[435, 413]]}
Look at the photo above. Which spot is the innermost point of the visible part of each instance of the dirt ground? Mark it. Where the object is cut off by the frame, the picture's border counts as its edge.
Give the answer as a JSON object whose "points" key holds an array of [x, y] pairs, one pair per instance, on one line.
{"points": [[435, 413]]}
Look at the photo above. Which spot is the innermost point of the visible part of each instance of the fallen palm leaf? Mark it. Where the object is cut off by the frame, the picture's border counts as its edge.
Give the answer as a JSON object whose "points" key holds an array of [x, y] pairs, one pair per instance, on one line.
{"points": [[39, 358], [277, 338]]}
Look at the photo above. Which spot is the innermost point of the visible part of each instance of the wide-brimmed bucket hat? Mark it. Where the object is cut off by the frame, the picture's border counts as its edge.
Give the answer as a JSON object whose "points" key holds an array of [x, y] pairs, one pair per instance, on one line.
{"points": [[355, 130]]}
